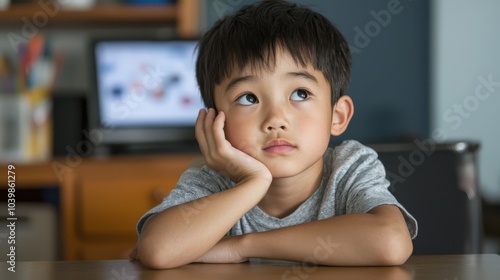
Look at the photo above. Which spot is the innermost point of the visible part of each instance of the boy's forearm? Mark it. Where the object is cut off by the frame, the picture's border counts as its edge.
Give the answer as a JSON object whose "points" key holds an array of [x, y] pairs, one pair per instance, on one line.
{"points": [[353, 239], [182, 233]]}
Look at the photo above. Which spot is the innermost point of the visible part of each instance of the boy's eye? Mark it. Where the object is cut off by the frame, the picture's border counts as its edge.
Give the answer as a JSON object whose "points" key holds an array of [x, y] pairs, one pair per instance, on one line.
{"points": [[247, 99], [299, 95]]}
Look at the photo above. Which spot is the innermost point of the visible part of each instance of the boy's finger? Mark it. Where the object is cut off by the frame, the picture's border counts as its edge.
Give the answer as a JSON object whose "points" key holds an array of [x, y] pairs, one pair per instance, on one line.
{"points": [[207, 126], [218, 130], [200, 131], [134, 254]]}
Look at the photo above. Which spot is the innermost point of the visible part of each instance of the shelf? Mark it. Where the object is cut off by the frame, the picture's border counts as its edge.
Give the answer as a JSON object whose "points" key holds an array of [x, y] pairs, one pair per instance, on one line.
{"points": [[183, 15], [34, 175], [102, 13]]}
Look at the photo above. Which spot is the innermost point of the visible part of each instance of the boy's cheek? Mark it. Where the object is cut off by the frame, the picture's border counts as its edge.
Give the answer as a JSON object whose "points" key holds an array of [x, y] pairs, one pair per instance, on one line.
{"points": [[245, 142], [234, 128], [240, 143]]}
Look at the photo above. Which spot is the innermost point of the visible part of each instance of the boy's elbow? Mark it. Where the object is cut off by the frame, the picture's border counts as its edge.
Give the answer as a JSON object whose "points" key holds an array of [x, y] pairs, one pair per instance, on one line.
{"points": [[397, 248], [395, 256], [154, 261], [155, 258]]}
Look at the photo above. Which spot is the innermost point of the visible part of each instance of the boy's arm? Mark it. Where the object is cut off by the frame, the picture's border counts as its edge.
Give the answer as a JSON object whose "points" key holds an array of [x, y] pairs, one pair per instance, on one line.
{"points": [[171, 238], [379, 237]]}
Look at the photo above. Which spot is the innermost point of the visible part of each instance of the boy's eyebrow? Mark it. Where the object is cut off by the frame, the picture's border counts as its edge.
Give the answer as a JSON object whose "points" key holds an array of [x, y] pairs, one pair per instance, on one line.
{"points": [[302, 74], [238, 80]]}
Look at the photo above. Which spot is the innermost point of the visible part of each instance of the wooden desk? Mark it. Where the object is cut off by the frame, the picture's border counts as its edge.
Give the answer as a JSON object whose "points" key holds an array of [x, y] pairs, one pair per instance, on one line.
{"points": [[462, 267]]}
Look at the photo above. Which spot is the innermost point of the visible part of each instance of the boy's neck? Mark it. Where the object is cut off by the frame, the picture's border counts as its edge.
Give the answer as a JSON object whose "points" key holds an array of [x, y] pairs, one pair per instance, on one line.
{"points": [[285, 195]]}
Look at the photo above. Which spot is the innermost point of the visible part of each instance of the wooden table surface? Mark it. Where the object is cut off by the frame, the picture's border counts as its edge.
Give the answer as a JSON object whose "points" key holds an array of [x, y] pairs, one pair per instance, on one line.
{"points": [[450, 267]]}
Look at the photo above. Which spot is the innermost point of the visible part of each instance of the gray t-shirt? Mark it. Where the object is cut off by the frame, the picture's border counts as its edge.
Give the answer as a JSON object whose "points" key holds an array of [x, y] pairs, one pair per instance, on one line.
{"points": [[353, 181]]}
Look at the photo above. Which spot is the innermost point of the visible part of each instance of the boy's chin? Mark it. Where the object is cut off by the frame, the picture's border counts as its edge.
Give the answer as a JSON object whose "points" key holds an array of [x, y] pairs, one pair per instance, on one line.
{"points": [[283, 172]]}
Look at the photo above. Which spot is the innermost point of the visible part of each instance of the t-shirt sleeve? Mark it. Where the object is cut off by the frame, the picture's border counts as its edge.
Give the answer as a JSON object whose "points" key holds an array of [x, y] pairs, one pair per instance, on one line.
{"points": [[363, 185], [194, 183]]}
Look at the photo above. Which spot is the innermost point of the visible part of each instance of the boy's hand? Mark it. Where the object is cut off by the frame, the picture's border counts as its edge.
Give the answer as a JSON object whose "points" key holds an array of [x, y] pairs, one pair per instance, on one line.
{"points": [[134, 254], [220, 155], [227, 250]]}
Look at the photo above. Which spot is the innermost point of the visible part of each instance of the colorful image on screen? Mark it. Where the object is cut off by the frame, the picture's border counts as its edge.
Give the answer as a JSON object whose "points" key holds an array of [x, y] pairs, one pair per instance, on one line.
{"points": [[147, 83]]}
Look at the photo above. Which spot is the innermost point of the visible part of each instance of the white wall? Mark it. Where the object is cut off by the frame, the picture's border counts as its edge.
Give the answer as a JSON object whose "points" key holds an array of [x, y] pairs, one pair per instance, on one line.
{"points": [[465, 52]]}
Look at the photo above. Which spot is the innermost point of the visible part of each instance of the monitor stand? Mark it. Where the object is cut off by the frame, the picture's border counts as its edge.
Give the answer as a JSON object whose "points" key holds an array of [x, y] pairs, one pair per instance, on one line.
{"points": [[147, 148]]}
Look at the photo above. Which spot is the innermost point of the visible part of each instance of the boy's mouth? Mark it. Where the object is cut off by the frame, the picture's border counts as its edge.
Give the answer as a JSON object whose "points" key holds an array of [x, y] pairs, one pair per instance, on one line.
{"points": [[279, 146]]}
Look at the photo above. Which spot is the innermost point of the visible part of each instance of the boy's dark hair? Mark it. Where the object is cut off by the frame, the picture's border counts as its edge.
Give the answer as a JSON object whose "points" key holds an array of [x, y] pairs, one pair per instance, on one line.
{"points": [[251, 36]]}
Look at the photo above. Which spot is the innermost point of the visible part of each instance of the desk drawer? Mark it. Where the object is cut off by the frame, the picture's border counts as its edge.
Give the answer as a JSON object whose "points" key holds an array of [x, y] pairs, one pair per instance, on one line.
{"points": [[102, 200], [112, 206]]}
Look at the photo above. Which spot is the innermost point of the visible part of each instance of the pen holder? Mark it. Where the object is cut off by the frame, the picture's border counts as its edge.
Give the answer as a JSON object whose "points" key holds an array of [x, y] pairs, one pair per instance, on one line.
{"points": [[25, 126]]}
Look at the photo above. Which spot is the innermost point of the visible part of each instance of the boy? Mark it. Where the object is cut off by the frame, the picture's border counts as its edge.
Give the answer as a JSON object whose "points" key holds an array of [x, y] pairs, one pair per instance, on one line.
{"points": [[274, 77]]}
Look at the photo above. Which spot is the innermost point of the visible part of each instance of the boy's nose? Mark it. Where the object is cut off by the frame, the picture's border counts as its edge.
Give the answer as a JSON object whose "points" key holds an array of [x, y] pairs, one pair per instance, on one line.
{"points": [[282, 127], [276, 120]]}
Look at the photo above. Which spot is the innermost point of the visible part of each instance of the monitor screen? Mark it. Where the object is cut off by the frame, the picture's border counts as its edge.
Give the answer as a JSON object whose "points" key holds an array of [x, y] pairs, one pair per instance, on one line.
{"points": [[147, 83], [145, 90]]}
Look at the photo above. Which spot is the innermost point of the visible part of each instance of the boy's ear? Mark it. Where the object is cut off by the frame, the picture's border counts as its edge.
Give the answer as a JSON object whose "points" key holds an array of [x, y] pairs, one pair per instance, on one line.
{"points": [[341, 115]]}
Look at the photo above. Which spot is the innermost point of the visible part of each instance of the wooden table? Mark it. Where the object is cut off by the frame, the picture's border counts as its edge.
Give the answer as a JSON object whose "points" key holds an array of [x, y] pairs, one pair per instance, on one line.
{"points": [[452, 267]]}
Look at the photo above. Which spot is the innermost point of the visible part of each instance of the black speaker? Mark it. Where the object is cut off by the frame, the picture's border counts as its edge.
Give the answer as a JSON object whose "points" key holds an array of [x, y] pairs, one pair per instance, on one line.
{"points": [[69, 114]]}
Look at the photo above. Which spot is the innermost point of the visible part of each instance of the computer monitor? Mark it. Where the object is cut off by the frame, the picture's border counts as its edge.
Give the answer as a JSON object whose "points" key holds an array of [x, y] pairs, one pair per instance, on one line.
{"points": [[145, 92]]}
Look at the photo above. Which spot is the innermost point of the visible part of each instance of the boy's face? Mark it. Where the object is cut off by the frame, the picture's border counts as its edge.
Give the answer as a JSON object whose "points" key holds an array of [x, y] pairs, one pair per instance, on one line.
{"points": [[281, 117]]}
